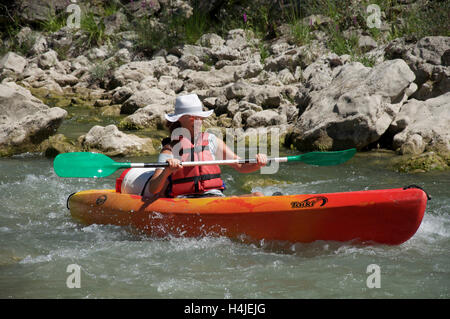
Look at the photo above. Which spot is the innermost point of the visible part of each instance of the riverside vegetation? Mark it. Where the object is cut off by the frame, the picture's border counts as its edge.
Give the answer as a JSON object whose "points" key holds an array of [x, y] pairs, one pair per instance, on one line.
{"points": [[327, 74]]}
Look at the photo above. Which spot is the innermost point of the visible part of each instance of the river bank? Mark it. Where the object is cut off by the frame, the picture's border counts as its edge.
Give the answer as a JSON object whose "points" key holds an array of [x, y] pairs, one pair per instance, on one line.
{"points": [[324, 82]]}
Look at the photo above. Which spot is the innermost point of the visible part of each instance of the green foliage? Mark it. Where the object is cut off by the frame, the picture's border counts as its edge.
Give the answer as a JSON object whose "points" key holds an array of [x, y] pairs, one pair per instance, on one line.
{"points": [[24, 48], [194, 27], [418, 22], [174, 30], [301, 33], [98, 72], [340, 44], [62, 51], [101, 72], [421, 163], [256, 19], [147, 36], [365, 60], [111, 8], [152, 37], [263, 17], [258, 16], [263, 51], [54, 22], [337, 10], [95, 31]]}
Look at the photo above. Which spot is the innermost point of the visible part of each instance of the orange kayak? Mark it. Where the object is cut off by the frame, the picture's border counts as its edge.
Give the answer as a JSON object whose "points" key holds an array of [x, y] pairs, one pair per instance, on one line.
{"points": [[390, 216]]}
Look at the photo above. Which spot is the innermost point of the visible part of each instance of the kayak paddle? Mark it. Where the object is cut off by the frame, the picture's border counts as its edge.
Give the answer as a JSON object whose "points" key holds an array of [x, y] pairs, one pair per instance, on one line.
{"points": [[89, 164]]}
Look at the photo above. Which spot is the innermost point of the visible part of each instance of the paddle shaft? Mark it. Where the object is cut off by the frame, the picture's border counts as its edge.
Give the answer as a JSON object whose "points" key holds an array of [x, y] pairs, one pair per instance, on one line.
{"points": [[89, 164], [196, 163]]}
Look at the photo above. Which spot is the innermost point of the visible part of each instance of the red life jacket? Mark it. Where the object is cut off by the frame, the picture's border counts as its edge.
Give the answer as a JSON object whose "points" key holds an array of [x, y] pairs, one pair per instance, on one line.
{"points": [[195, 179]]}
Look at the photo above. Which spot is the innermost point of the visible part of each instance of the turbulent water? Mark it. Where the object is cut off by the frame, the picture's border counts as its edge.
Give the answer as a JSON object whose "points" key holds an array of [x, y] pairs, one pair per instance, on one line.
{"points": [[39, 240]]}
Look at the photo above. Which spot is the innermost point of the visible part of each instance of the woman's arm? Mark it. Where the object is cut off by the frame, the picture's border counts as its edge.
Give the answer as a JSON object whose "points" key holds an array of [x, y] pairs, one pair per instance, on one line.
{"points": [[224, 152], [160, 178]]}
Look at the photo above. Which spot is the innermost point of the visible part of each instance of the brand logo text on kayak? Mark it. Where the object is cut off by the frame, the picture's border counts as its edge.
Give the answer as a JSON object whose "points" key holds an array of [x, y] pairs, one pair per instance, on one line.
{"points": [[101, 200], [310, 202]]}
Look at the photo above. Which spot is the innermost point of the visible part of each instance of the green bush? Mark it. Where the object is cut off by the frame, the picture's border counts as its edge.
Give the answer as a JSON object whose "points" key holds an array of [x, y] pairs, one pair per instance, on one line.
{"points": [[174, 31], [95, 31], [340, 44], [301, 33], [420, 21], [54, 22], [24, 48], [263, 51], [195, 26], [101, 72]]}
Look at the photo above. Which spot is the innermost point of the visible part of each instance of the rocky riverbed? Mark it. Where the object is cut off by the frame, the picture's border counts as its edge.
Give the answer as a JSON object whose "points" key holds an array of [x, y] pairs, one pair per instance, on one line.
{"points": [[316, 98]]}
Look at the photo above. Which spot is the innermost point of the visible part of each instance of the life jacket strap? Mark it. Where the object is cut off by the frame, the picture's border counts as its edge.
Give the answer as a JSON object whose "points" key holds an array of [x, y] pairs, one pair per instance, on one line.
{"points": [[192, 150], [195, 179]]}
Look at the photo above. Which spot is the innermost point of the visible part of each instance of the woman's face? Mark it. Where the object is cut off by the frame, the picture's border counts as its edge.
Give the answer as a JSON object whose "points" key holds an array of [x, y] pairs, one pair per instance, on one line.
{"points": [[190, 122]]}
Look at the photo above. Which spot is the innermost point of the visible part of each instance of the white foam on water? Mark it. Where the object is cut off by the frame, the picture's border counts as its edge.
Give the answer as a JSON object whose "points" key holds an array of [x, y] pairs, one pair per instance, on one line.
{"points": [[39, 231], [435, 227], [61, 253]]}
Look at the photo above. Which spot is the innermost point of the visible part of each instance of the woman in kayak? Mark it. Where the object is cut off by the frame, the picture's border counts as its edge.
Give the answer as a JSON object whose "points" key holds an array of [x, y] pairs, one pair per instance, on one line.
{"points": [[188, 143]]}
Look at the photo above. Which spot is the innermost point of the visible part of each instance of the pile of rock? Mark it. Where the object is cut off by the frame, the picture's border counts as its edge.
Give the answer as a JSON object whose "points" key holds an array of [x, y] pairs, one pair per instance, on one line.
{"points": [[322, 101], [25, 121]]}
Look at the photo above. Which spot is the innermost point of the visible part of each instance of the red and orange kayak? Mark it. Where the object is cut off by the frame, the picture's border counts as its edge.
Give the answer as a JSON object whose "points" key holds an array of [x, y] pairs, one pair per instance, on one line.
{"points": [[390, 216]]}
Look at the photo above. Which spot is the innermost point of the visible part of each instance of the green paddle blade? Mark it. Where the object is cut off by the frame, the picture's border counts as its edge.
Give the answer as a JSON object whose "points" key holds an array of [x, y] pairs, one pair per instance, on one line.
{"points": [[85, 164], [324, 158]]}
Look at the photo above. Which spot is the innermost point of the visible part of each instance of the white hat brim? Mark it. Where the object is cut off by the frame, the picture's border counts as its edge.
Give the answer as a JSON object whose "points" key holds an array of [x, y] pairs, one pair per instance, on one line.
{"points": [[175, 117]]}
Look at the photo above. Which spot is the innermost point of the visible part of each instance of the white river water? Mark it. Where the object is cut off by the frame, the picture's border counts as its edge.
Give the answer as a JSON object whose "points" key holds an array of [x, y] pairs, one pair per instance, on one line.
{"points": [[39, 240]]}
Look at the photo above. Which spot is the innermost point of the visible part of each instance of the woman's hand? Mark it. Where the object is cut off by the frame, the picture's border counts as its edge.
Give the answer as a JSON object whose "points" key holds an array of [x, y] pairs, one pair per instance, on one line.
{"points": [[261, 160], [174, 165]]}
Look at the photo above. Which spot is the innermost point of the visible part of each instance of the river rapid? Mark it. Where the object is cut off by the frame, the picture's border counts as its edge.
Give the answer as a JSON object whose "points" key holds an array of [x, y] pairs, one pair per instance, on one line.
{"points": [[39, 240]]}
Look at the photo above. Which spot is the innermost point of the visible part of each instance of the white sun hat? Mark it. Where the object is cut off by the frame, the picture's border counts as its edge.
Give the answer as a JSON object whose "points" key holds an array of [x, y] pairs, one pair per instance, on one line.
{"points": [[188, 105]]}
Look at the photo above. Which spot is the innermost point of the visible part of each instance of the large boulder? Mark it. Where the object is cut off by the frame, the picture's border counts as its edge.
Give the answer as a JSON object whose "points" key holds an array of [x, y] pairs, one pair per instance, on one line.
{"points": [[430, 49], [423, 126], [36, 12], [13, 62], [250, 69], [143, 98], [356, 108], [210, 40], [195, 80], [266, 118], [134, 71], [428, 59], [25, 121], [48, 59], [267, 96], [114, 22], [112, 142], [151, 116]]}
